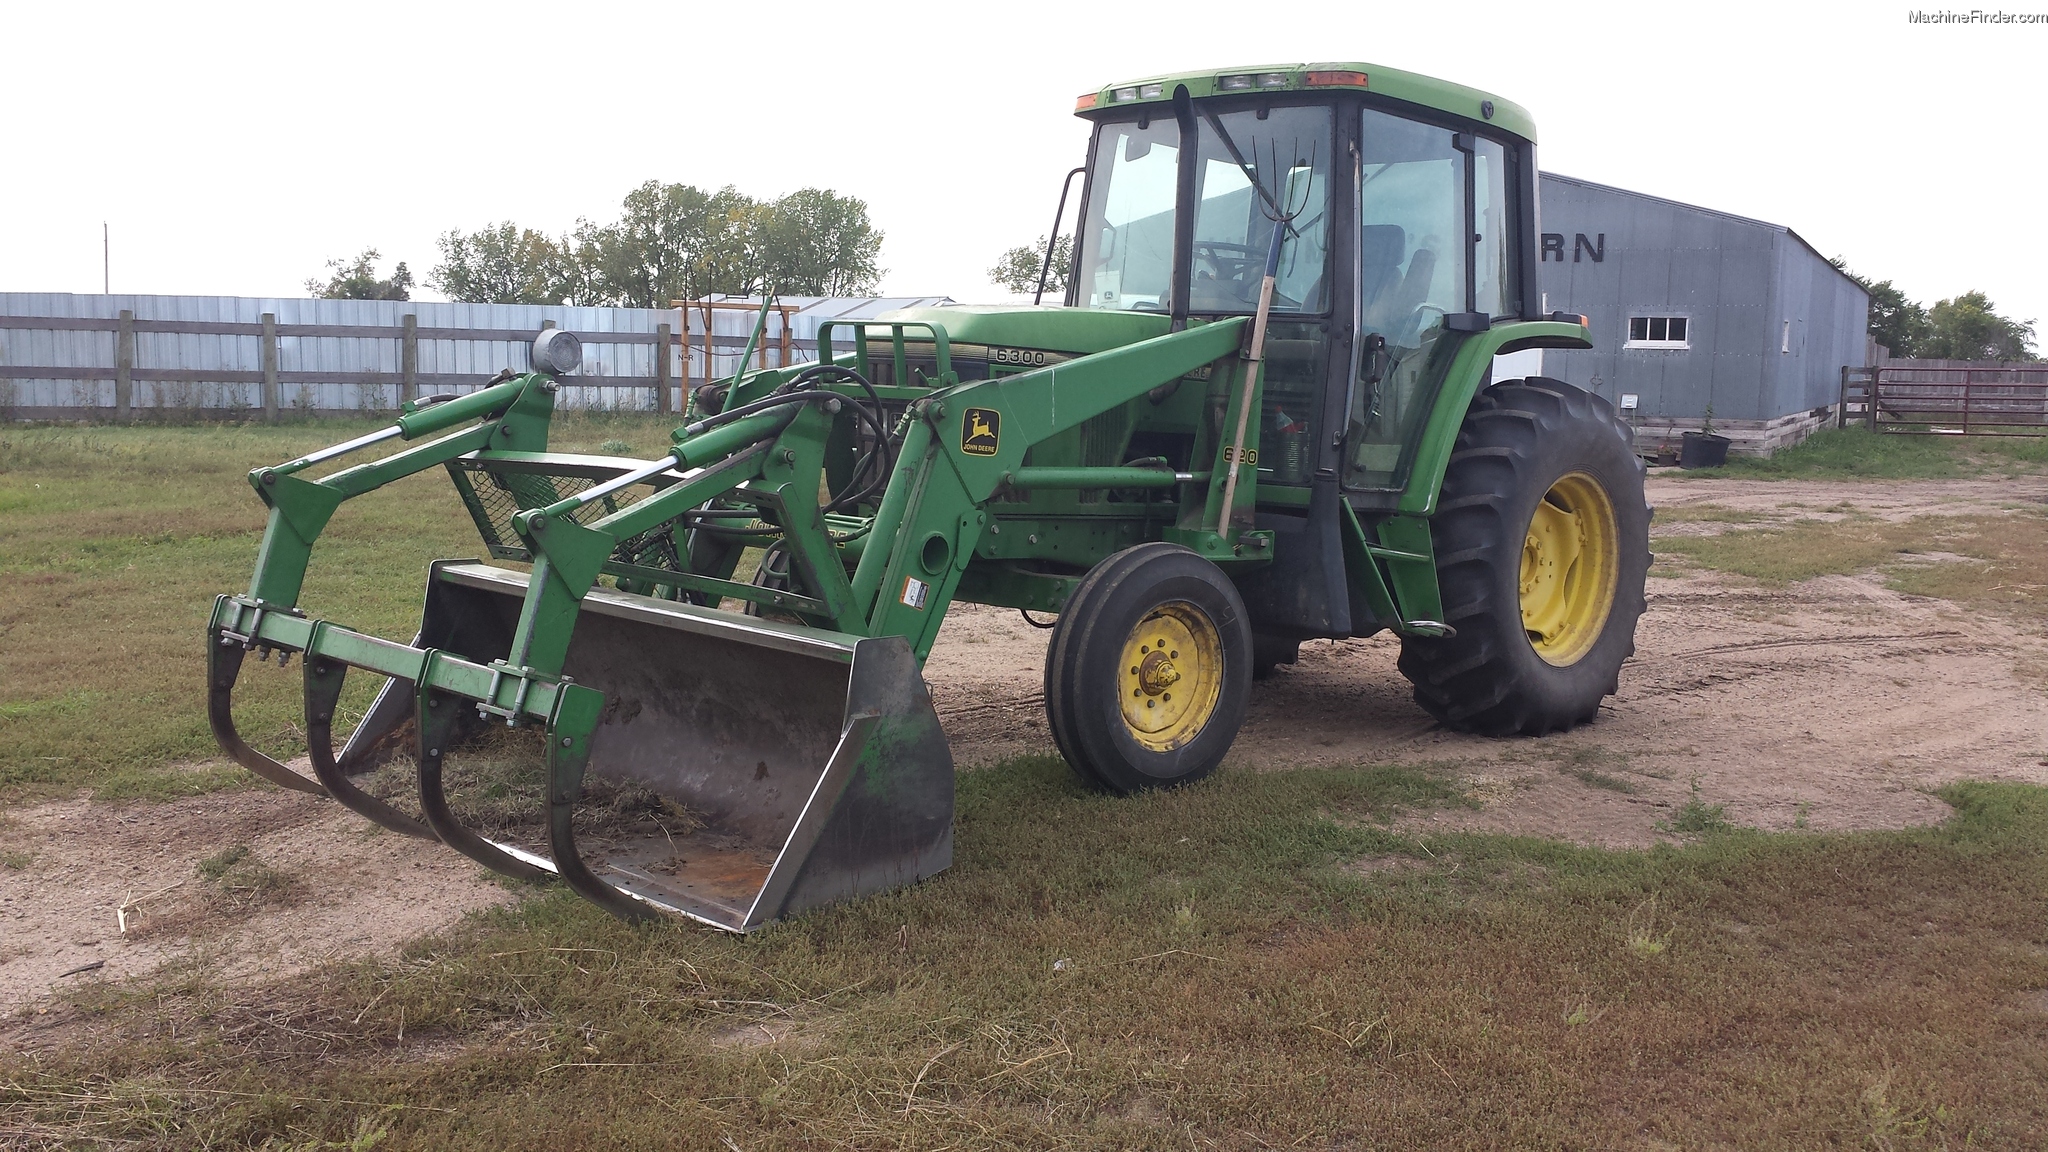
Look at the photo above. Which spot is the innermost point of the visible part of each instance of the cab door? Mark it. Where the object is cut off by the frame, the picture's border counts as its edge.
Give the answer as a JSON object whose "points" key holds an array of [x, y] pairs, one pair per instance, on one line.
{"points": [[1412, 278], [1436, 259]]}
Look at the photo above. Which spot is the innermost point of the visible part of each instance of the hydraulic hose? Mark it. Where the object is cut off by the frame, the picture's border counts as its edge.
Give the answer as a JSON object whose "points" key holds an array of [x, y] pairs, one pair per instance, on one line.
{"points": [[804, 387]]}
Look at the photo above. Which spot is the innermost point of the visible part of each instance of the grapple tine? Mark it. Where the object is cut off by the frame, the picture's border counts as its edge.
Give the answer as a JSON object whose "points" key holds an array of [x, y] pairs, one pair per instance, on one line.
{"points": [[439, 716], [568, 753], [324, 680], [389, 712], [223, 668]]}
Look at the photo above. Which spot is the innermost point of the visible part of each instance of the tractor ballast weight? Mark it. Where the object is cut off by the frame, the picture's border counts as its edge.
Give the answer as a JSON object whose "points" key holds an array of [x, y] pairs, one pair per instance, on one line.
{"points": [[1264, 415]]}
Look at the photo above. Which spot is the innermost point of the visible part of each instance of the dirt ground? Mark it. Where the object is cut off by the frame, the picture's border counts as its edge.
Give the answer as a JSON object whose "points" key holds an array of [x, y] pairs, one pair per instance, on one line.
{"points": [[1831, 704], [329, 886]]}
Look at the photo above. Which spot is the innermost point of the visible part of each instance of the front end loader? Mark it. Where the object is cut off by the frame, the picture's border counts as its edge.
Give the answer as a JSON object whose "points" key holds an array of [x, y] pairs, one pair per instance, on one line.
{"points": [[1264, 414]]}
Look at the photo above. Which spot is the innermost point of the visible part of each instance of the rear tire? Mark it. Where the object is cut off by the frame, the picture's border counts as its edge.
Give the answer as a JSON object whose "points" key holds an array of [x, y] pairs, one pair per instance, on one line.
{"points": [[1149, 672], [1542, 544]]}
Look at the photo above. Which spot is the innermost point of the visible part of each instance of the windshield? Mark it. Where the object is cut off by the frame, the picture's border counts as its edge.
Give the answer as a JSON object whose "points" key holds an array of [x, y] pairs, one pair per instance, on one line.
{"points": [[1250, 167], [1289, 153], [1127, 232]]}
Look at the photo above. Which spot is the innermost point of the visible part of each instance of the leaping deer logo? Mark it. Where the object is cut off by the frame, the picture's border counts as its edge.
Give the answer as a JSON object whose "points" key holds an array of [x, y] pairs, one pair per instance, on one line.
{"points": [[979, 436]]}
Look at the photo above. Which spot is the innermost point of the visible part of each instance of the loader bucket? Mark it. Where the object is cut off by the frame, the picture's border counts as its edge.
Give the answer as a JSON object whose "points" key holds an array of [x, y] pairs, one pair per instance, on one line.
{"points": [[740, 769]]}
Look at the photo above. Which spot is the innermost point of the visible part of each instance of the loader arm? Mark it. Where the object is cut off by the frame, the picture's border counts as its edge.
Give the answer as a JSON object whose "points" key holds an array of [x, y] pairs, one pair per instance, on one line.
{"points": [[934, 515]]}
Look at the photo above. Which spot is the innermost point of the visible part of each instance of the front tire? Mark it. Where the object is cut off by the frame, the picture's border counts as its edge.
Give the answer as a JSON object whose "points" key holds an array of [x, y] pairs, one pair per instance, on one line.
{"points": [[1542, 543], [1149, 673]]}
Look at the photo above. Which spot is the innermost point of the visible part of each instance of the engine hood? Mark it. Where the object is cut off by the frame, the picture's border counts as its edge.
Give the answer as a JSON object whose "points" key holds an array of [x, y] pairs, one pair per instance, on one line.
{"points": [[1053, 328]]}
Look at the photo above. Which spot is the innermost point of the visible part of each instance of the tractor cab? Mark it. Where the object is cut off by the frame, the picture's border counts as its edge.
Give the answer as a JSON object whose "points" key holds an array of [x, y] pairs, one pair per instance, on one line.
{"points": [[1402, 204]]}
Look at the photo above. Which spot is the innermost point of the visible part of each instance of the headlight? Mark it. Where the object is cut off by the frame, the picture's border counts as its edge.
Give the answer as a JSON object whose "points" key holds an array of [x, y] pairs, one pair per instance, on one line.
{"points": [[556, 352]]}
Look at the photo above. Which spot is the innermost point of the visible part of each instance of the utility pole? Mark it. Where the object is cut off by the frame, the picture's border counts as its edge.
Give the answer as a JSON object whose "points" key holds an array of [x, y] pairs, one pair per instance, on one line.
{"points": [[106, 261]]}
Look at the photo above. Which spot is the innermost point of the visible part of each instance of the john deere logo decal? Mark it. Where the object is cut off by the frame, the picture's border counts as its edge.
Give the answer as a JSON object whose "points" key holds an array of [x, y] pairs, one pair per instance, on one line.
{"points": [[980, 431]]}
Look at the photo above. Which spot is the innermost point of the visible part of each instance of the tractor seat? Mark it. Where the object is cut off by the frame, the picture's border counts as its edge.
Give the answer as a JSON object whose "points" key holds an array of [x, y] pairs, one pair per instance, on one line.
{"points": [[1381, 247]]}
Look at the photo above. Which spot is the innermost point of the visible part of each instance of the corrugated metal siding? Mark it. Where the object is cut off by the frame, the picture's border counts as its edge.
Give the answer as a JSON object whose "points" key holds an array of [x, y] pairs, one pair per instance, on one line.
{"points": [[1736, 281]]}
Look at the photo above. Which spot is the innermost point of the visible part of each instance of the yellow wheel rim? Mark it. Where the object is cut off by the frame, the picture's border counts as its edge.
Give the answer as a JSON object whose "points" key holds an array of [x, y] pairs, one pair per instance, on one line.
{"points": [[1171, 676], [1569, 560]]}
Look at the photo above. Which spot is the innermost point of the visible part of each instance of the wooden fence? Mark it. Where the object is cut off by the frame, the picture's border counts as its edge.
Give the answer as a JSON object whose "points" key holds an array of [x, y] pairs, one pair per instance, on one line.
{"points": [[1938, 397], [409, 380], [72, 357]]}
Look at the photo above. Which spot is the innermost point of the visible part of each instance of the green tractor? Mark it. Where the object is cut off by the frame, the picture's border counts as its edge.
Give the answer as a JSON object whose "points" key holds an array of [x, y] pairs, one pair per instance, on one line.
{"points": [[1264, 414]]}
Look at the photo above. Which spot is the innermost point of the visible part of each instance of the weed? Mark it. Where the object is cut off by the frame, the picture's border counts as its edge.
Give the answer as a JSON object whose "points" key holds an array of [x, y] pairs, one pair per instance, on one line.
{"points": [[1645, 945], [615, 447], [16, 861], [1593, 779], [1585, 765], [1890, 1124], [1697, 815], [216, 866], [237, 881], [370, 1132], [1801, 813], [1643, 940], [1706, 514]]}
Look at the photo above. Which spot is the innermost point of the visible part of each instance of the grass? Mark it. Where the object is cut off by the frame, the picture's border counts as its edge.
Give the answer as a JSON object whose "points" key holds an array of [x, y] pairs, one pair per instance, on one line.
{"points": [[1858, 453], [113, 543], [1204, 968], [237, 881], [1257, 961], [1706, 514], [1995, 562], [1587, 765]]}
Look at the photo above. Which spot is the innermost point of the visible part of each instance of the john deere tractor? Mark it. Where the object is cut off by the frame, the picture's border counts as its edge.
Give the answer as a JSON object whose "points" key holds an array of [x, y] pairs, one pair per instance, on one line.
{"points": [[1264, 413]]}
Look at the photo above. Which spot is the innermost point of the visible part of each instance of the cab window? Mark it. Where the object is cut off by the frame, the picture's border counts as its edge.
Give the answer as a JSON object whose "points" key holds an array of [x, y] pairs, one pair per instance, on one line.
{"points": [[1127, 234], [1413, 249]]}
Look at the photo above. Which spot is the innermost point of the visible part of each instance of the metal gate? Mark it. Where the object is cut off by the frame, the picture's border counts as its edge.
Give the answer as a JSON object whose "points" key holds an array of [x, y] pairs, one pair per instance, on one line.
{"points": [[2004, 401]]}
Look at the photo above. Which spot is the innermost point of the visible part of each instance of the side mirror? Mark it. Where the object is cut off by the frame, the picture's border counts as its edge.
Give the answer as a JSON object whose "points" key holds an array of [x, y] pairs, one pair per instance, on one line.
{"points": [[1105, 245]]}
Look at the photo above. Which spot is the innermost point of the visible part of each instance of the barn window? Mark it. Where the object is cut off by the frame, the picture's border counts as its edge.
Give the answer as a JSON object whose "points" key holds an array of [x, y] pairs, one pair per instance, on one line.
{"points": [[1657, 332]]}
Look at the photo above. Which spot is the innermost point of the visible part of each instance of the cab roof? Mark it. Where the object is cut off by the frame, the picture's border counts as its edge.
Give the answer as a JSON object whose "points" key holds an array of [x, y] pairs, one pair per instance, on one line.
{"points": [[1441, 95]]}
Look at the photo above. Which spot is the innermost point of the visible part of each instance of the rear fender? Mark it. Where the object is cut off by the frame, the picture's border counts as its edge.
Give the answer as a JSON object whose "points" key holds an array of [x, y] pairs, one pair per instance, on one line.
{"points": [[1461, 384]]}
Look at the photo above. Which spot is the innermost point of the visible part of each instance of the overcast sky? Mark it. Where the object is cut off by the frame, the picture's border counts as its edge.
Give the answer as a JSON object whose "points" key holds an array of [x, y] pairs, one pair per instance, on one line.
{"points": [[234, 149]]}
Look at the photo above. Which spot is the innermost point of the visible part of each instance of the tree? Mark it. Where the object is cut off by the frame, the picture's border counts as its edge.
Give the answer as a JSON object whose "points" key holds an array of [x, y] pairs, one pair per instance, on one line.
{"points": [[1970, 328], [505, 264], [357, 280], [672, 242], [645, 258], [1965, 328], [729, 261], [1895, 322], [815, 242], [1018, 268]]}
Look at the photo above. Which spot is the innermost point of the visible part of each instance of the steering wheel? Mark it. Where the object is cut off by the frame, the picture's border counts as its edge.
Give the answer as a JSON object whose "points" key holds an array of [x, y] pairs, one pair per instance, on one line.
{"points": [[1237, 264], [1426, 316]]}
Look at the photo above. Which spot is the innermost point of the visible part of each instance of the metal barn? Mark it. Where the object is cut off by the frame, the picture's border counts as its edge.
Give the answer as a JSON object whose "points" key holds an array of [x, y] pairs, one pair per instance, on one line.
{"points": [[1696, 311]]}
